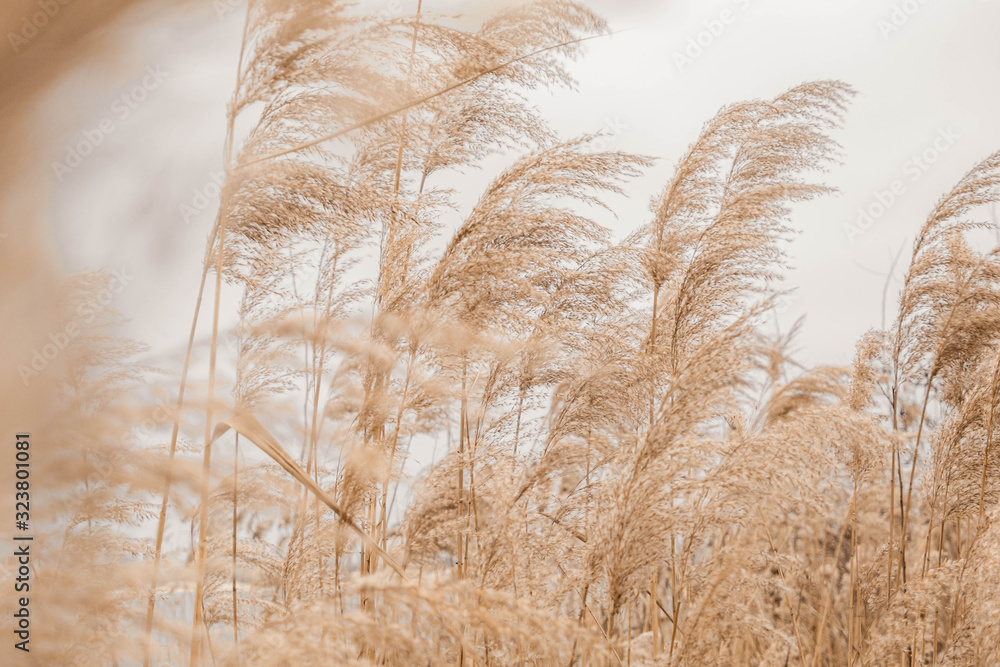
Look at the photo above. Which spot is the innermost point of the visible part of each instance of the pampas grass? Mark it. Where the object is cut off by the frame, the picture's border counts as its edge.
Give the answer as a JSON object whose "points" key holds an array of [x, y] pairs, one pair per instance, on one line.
{"points": [[630, 467]]}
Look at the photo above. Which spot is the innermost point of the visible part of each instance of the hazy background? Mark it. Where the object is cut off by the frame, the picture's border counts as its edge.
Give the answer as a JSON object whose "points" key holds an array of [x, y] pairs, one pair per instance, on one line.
{"points": [[123, 206]]}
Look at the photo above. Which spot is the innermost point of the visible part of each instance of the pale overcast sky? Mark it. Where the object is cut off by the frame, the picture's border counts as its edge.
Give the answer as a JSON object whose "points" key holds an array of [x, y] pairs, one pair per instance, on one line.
{"points": [[925, 73]]}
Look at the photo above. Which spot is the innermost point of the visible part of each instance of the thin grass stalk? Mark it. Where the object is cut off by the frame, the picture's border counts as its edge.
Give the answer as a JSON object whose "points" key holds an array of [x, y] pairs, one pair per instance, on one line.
{"points": [[913, 471], [892, 498], [791, 611], [378, 526], [654, 612], [461, 473], [236, 487], [383, 519], [195, 658], [828, 590], [317, 368], [989, 437], [206, 469], [611, 644], [517, 434], [675, 601], [162, 519], [853, 582], [944, 519]]}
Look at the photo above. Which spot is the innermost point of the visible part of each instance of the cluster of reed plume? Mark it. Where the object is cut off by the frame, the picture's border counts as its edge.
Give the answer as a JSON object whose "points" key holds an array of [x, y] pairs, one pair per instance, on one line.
{"points": [[633, 471]]}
